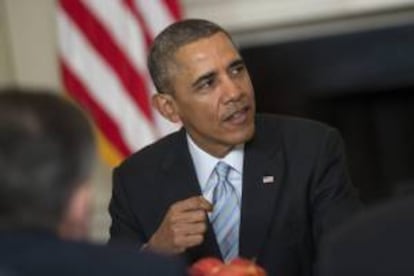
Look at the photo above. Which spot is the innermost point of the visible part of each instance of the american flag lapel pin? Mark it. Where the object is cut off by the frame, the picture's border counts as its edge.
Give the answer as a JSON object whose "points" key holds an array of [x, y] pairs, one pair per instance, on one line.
{"points": [[268, 179]]}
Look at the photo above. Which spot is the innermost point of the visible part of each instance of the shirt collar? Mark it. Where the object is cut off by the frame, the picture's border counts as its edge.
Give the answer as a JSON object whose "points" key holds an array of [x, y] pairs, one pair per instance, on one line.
{"points": [[204, 162]]}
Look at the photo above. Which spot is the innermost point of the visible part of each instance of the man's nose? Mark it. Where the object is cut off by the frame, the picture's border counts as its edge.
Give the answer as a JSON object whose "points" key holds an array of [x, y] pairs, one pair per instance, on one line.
{"points": [[231, 89]]}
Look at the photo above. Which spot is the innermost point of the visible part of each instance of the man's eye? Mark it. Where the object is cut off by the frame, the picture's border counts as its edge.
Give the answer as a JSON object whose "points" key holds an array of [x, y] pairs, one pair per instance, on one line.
{"points": [[236, 70], [206, 84]]}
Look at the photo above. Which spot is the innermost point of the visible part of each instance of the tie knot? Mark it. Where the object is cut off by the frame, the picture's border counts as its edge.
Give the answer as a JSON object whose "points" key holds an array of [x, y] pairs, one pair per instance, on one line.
{"points": [[222, 170]]}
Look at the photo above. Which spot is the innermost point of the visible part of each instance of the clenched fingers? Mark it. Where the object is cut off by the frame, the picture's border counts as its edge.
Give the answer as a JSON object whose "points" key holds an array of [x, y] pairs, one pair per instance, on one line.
{"points": [[193, 216], [192, 203], [188, 241], [189, 229]]}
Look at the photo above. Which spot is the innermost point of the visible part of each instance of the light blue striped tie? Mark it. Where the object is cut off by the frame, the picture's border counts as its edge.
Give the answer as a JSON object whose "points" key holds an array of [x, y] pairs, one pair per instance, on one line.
{"points": [[225, 217]]}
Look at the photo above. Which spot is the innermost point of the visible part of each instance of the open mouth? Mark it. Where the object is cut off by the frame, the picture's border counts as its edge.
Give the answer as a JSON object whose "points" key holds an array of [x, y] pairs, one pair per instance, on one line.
{"points": [[238, 116]]}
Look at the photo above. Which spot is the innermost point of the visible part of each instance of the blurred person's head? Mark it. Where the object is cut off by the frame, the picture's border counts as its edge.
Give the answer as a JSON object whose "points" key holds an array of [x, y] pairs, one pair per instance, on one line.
{"points": [[47, 152], [203, 83]]}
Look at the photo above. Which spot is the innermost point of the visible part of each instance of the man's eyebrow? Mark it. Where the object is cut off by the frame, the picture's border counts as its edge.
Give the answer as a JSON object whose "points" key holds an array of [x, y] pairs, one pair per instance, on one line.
{"points": [[200, 79], [237, 62]]}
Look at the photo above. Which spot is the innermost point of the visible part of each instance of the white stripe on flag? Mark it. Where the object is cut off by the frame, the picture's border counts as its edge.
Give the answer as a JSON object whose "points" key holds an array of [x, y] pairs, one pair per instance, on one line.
{"points": [[123, 28], [157, 16], [128, 35], [103, 85]]}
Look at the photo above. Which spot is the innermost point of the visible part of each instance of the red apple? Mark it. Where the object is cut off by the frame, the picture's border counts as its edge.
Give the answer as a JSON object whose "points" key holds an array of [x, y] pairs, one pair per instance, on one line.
{"points": [[241, 262], [205, 267], [230, 270], [250, 267]]}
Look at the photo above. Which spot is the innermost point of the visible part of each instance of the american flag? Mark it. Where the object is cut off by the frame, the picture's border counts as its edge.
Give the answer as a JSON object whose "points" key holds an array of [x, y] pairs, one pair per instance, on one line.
{"points": [[103, 46]]}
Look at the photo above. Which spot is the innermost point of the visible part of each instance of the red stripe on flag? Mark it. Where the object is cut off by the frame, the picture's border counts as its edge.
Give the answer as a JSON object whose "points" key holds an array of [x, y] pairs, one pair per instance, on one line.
{"points": [[102, 41], [174, 7], [80, 93], [130, 4]]}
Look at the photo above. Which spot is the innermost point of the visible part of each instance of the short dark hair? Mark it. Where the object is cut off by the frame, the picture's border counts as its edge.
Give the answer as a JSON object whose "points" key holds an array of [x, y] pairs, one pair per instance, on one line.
{"points": [[46, 151], [169, 41]]}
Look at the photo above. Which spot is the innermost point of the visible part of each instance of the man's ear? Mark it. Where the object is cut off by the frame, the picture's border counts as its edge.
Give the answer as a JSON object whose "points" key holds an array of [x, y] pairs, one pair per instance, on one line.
{"points": [[165, 104]]}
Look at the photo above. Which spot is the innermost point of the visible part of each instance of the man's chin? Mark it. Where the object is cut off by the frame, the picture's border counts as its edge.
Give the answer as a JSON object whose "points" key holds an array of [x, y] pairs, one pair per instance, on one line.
{"points": [[241, 137]]}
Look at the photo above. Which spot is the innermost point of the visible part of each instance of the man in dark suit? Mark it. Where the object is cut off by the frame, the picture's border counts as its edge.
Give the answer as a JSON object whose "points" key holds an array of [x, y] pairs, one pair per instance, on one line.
{"points": [[284, 184], [377, 242], [46, 157]]}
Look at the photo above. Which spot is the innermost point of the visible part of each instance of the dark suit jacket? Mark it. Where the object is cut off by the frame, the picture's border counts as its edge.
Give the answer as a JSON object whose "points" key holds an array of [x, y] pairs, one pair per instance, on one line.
{"points": [[43, 254], [377, 242], [281, 222]]}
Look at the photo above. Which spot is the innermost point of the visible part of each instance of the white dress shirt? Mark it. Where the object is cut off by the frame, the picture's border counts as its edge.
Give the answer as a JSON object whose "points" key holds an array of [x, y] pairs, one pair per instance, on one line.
{"points": [[205, 163]]}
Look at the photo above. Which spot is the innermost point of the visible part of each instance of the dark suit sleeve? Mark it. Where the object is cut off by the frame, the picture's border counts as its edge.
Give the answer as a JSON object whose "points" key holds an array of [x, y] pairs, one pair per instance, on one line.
{"points": [[125, 227], [333, 198]]}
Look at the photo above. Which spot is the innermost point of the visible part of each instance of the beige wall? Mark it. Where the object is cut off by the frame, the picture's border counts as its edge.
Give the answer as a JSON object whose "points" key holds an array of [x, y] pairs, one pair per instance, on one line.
{"points": [[31, 37], [242, 15], [5, 63], [270, 21]]}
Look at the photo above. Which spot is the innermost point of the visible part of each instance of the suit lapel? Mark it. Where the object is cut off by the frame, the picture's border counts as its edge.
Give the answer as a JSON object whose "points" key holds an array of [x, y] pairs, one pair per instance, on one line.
{"points": [[179, 172], [263, 161]]}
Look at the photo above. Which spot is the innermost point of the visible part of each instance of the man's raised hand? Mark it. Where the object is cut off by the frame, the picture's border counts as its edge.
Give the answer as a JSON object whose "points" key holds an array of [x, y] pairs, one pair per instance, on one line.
{"points": [[183, 226]]}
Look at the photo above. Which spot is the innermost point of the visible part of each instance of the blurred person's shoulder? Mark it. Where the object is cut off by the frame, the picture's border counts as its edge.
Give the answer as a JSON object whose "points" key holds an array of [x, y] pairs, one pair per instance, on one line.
{"points": [[132, 261], [378, 239], [390, 216], [38, 253]]}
